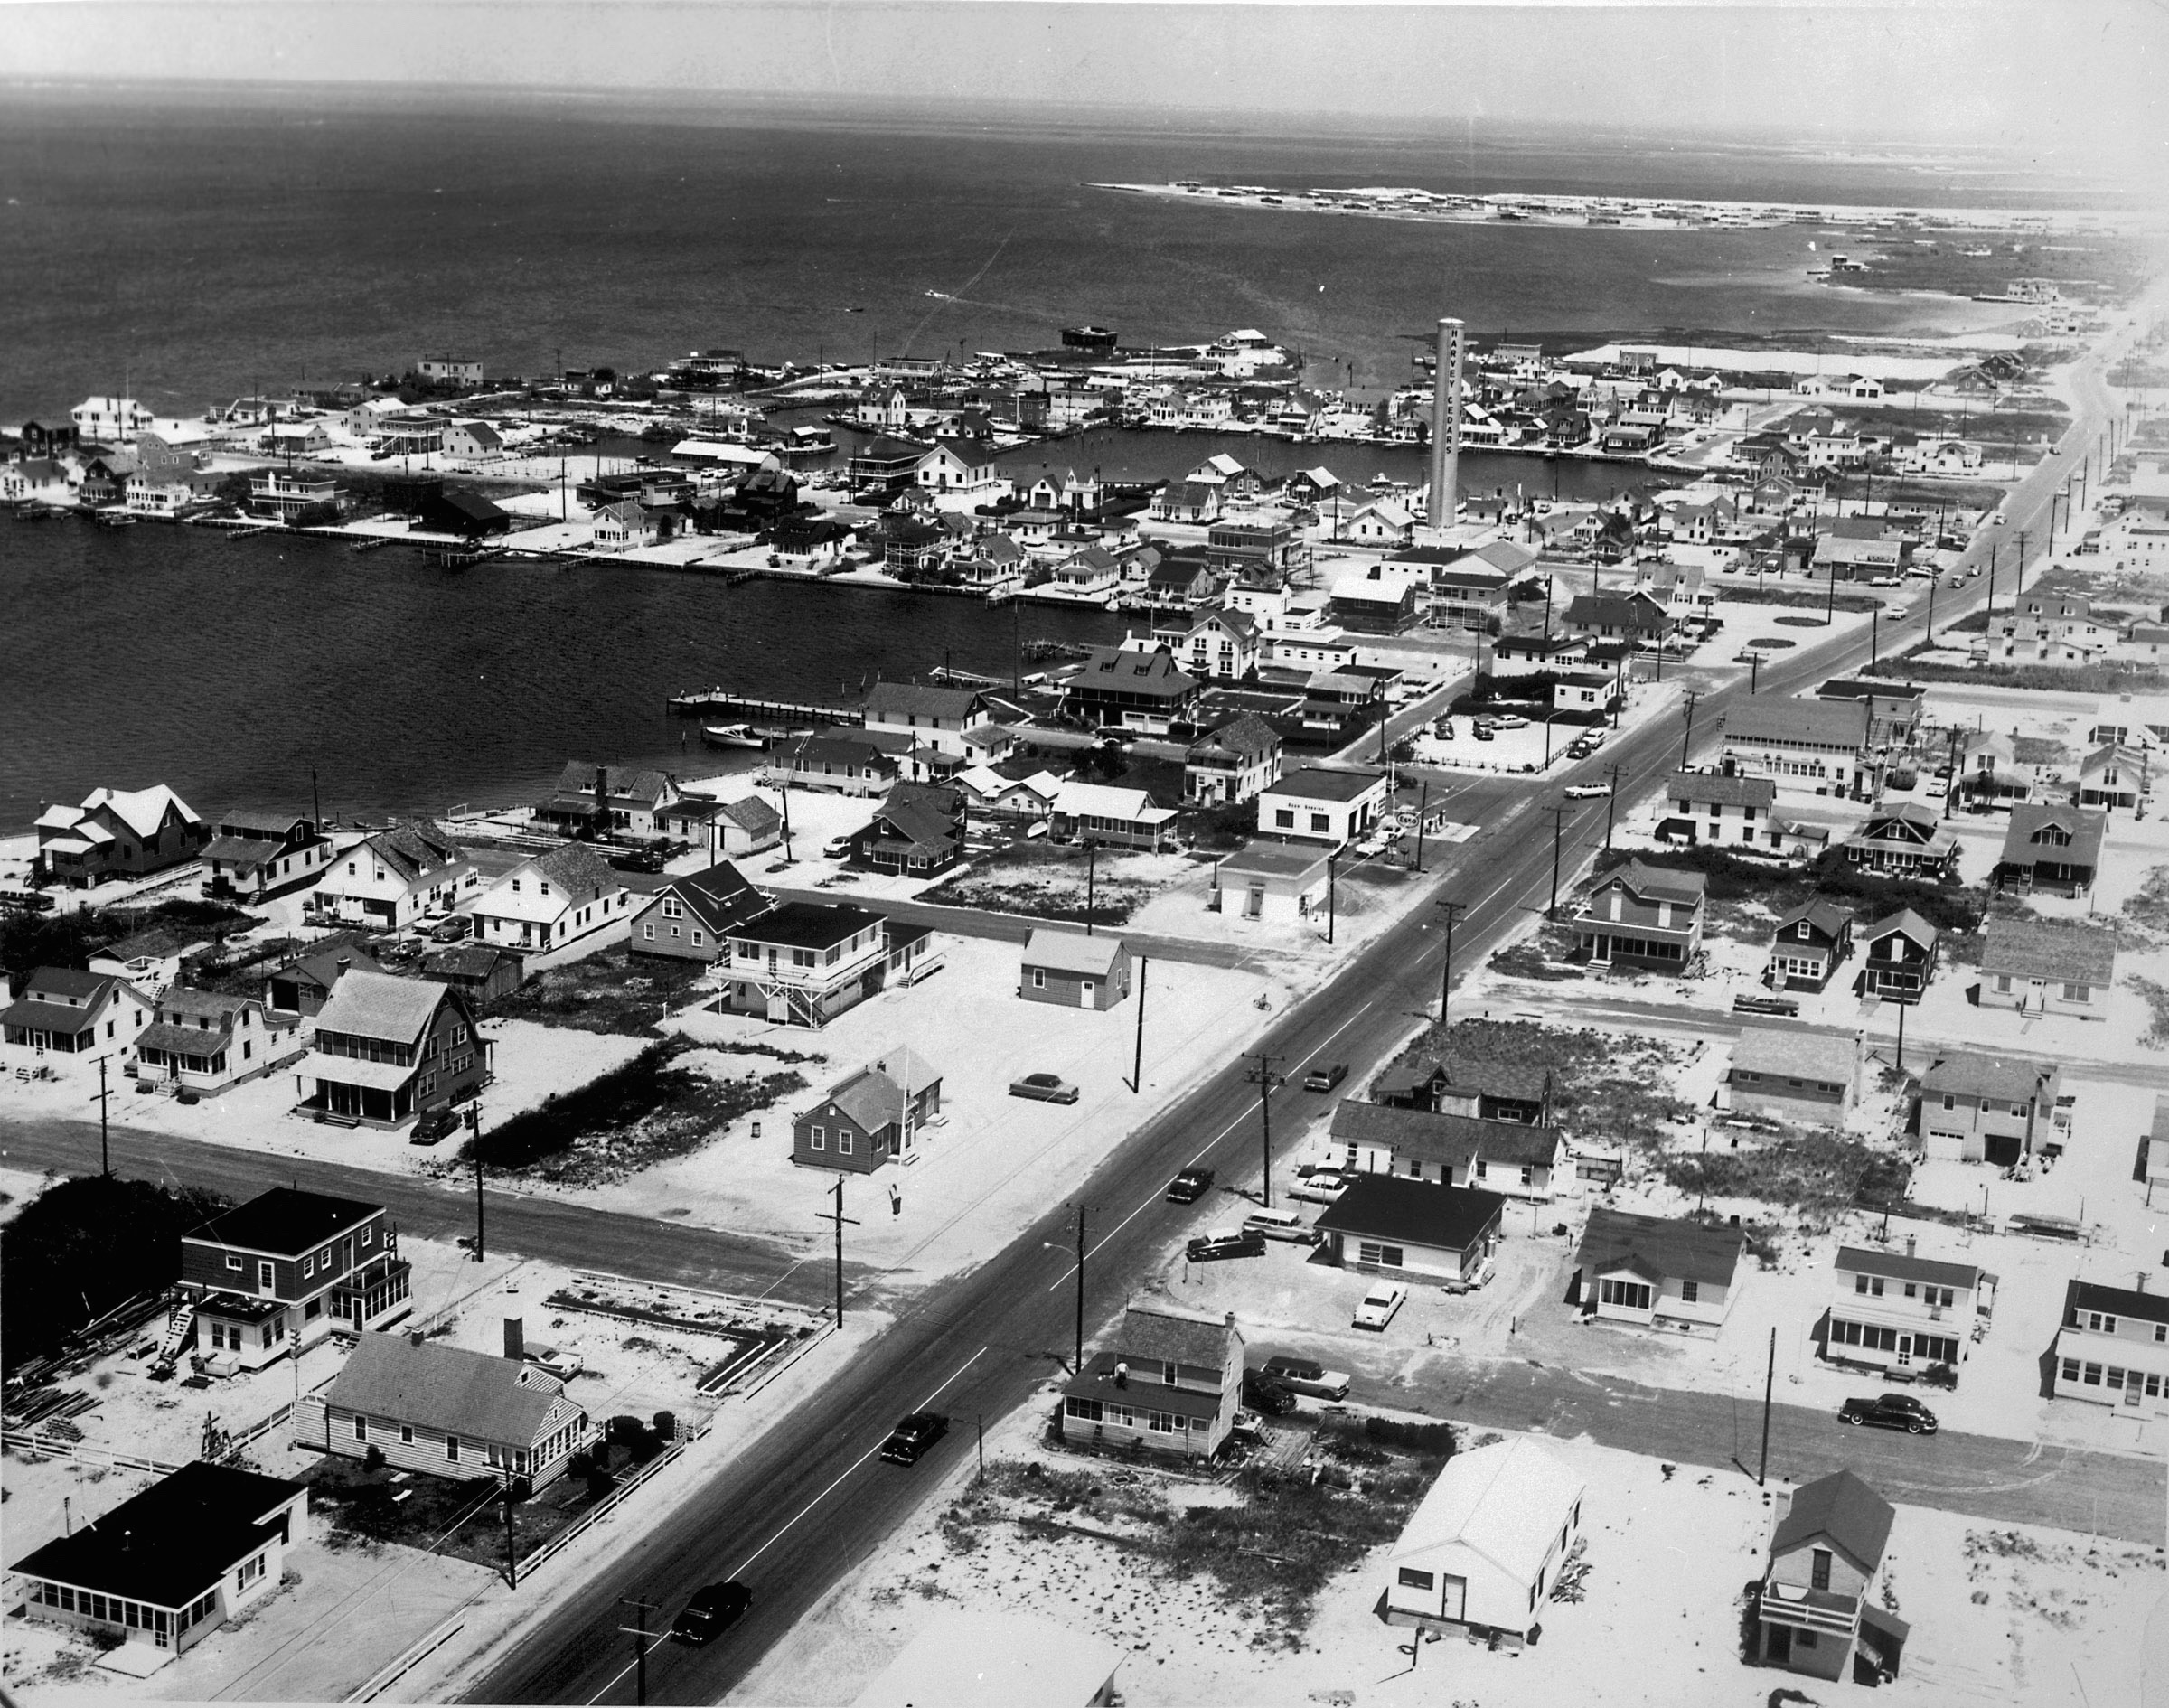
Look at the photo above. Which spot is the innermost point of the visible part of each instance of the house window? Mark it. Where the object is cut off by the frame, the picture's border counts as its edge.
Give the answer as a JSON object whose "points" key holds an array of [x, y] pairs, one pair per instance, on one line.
{"points": [[843, 1142], [452, 1449], [648, 932], [406, 1434], [2070, 1369], [1038, 978], [308, 1266], [1283, 818], [698, 939], [1382, 1256], [233, 1263], [2075, 993], [1412, 1579], [360, 1427], [1690, 1292], [2092, 1376], [1950, 1101], [1628, 1295], [1819, 1570], [1875, 1286], [820, 1137]]}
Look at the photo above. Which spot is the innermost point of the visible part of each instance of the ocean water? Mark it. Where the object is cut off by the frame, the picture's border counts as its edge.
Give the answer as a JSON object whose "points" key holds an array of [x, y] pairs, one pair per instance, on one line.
{"points": [[189, 246]]}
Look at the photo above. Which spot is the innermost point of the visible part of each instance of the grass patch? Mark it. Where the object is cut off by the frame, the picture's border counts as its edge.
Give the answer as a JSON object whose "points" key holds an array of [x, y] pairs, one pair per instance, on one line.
{"points": [[611, 993], [633, 1117], [2055, 679], [1817, 597], [30, 941], [1603, 1085], [2157, 1007], [1821, 1175], [1949, 908], [1047, 883], [2149, 908], [1771, 643]]}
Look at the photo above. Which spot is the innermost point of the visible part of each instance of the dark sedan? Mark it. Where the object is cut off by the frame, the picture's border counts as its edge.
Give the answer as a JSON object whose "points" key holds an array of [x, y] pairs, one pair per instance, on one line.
{"points": [[712, 1612], [910, 1440], [1222, 1243], [1189, 1185], [1890, 1411]]}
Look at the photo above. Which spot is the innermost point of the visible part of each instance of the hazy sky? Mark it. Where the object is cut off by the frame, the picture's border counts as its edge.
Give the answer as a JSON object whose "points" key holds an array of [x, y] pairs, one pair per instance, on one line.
{"points": [[2071, 81]]}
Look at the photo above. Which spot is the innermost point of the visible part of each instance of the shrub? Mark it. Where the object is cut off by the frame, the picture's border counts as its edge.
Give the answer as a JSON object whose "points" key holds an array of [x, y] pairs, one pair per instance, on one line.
{"points": [[373, 1460]]}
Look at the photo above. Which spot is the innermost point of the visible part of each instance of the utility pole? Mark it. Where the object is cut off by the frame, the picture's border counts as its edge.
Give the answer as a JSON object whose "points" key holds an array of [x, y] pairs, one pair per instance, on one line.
{"points": [[1902, 1005], [1874, 637], [1423, 814], [1770, 1384], [2019, 581], [105, 1154], [315, 801], [474, 1125], [1092, 876], [639, 1634], [1454, 910], [1077, 1363], [512, 1547], [1611, 802], [1686, 738], [1332, 893], [1267, 1081], [841, 1222], [1558, 829], [1137, 1066], [1754, 670]]}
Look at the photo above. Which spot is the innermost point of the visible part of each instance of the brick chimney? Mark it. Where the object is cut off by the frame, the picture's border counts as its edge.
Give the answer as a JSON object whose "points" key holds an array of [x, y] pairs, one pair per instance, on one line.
{"points": [[1908, 1244], [515, 1339], [602, 796]]}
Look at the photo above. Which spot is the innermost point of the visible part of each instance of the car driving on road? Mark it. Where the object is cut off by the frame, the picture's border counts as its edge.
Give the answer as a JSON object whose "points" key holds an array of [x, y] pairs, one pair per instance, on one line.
{"points": [[1324, 1079], [1046, 1088], [713, 1610], [1889, 1411], [1189, 1185], [1586, 790], [911, 1438], [1307, 1376]]}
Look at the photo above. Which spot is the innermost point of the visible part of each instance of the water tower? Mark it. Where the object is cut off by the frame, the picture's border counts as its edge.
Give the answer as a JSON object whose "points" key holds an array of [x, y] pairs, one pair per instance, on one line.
{"points": [[1446, 427]]}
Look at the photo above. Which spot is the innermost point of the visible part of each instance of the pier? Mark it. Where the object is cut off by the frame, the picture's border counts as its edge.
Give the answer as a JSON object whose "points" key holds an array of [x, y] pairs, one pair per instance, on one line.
{"points": [[799, 713]]}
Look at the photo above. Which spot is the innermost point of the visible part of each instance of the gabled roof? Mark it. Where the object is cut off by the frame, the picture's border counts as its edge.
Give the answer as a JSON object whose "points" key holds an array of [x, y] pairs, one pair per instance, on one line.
{"points": [[1157, 1337], [1824, 918], [627, 782], [153, 944], [2124, 1302], [1247, 735], [1129, 671], [1431, 1137], [1443, 1218], [284, 1222], [721, 897], [2037, 949], [577, 870], [1796, 1052], [1062, 951], [143, 811], [1842, 1509], [1657, 883], [410, 850], [447, 1389], [1904, 920], [477, 961], [907, 700], [370, 1004], [1507, 1502], [1858, 1260], [56, 985], [2001, 1079], [2029, 819], [870, 1098], [1105, 801], [1670, 1247]]}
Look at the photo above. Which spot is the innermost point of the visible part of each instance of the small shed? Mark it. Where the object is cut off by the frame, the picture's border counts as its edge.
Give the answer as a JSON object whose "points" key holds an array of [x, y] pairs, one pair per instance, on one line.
{"points": [[1278, 884], [1074, 970], [1483, 1548]]}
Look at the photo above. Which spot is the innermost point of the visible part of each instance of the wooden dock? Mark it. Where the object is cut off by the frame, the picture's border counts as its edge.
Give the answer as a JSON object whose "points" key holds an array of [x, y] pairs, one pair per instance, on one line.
{"points": [[796, 714]]}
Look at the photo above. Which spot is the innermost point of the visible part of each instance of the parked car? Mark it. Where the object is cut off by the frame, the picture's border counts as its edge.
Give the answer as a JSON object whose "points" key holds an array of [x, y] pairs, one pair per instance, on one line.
{"points": [[434, 1127], [1443, 730], [1307, 1376], [1262, 1392], [1889, 1411], [1381, 1305], [713, 1610], [1189, 1185], [1509, 720], [1939, 787], [1225, 1242], [1323, 1186], [638, 859], [1482, 732], [452, 930], [1048, 1088], [1324, 1079], [910, 1440], [836, 848]]}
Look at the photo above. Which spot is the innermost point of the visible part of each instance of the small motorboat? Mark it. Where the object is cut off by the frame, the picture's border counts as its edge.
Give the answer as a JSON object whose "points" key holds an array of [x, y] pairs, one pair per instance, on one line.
{"points": [[732, 736]]}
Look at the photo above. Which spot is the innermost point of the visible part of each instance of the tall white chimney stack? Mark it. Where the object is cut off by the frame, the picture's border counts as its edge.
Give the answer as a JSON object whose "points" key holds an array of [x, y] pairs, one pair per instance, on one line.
{"points": [[1446, 427]]}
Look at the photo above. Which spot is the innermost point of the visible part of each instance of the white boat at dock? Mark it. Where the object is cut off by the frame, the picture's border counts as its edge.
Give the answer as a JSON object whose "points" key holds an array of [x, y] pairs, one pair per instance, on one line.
{"points": [[733, 736]]}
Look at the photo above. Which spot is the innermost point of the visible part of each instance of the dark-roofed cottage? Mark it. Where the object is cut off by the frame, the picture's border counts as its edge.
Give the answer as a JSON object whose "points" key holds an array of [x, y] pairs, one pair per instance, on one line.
{"points": [[1893, 1310], [1806, 946], [253, 856], [690, 918], [1817, 1596], [1641, 916], [1656, 1271], [278, 1273], [2112, 1348], [71, 1012], [1899, 956], [1129, 688], [2052, 847], [1413, 1231], [801, 963], [450, 1412], [918, 831], [1165, 1382], [869, 1117], [1508, 1157]]}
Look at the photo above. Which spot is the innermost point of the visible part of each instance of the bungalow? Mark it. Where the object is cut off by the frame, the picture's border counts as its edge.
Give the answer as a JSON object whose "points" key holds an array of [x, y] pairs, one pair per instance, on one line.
{"points": [[1817, 1596], [2113, 1347], [304, 984], [1808, 946], [916, 832], [931, 716], [1163, 1382], [801, 963], [1089, 573], [2051, 846], [2116, 775], [1178, 581], [1484, 1548], [165, 1568], [626, 526], [834, 761], [1635, 618], [1233, 764], [1380, 600], [1512, 1158], [1284, 884], [870, 1118], [1582, 691], [606, 800], [1643, 916], [1993, 1109], [1895, 1311], [392, 878], [988, 793], [725, 830], [254, 856], [281, 1272], [2038, 967], [691, 918], [1909, 841], [1197, 503], [958, 465], [1228, 474], [117, 833], [1384, 521], [1074, 969], [1901, 956], [1119, 818], [1318, 804], [446, 1411], [386, 1050], [1703, 801], [203, 1041], [1802, 744], [1795, 1073], [1220, 646], [1415, 1230], [482, 974], [150, 960], [550, 900], [71, 1012], [1656, 1271], [1130, 687], [37, 479]]}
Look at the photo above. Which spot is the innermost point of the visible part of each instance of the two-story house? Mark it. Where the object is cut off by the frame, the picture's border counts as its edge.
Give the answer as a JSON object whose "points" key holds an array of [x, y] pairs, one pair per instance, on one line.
{"points": [[1817, 1596], [935, 718], [277, 1274], [2051, 846], [1642, 915], [304, 984], [607, 800], [1488, 1090], [71, 1012], [802, 964], [1806, 946], [390, 879], [1656, 1271], [117, 833], [1235, 762], [1800, 744], [1891, 713], [252, 857], [1905, 840], [1317, 805], [917, 830], [1129, 688], [2041, 966], [203, 1041], [836, 762], [1512, 1158], [1714, 806], [1166, 1382], [869, 1118], [1898, 956], [447, 1412], [386, 1050], [1224, 646], [2116, 775], [551, 900], [2113, 1349], [1895, 1311], [691, 918], [1994, 1109]]}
